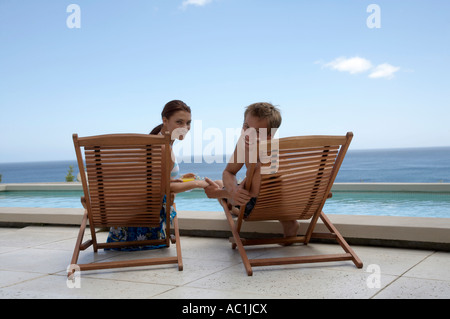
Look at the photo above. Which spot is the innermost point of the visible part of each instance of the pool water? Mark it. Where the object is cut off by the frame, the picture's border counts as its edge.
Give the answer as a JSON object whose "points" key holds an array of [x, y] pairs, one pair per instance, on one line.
{"points": [[412, 204], [56, 199]]}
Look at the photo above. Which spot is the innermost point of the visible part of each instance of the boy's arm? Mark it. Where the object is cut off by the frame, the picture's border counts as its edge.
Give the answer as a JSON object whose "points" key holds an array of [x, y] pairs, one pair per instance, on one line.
{"points": [[229, 176], [237, 194]]}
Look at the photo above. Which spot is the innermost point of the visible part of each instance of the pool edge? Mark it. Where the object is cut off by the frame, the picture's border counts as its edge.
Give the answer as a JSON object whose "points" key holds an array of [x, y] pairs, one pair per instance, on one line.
{"points": [[405, 232]]}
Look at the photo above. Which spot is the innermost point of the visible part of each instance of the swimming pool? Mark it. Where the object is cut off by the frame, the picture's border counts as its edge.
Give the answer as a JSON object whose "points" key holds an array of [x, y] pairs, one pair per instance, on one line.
{"points": [[412, 204]]}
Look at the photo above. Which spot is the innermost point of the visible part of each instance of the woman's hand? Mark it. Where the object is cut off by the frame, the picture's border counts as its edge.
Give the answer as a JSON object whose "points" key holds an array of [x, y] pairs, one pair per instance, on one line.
{"points": [[189, 175]]}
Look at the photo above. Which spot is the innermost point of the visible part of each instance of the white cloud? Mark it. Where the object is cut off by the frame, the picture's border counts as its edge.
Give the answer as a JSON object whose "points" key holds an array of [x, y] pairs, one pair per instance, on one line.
{"points": [[198, 3], [384, 70], [359, 65], [352, 65]]}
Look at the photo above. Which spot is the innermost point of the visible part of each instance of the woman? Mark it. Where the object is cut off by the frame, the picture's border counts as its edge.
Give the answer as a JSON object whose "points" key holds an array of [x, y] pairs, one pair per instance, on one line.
{"points": [[176, 117]]}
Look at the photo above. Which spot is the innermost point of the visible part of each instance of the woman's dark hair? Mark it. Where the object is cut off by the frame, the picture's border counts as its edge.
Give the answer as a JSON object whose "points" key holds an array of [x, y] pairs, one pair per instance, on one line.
{"points": [[169, 109]]}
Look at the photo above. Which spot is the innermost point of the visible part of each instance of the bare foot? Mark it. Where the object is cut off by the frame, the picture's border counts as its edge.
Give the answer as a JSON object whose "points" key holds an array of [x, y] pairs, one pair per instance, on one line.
{"points": [[233, 210], [290, 229]]}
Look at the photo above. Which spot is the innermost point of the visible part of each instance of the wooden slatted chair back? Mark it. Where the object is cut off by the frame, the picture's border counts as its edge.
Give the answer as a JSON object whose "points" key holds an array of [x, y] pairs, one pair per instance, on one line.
{"points": [[299, 176], [125, 180]]}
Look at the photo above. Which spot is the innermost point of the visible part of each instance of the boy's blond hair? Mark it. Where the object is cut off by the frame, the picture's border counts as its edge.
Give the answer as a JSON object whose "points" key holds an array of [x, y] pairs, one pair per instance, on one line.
{"points": [[264, 110]]}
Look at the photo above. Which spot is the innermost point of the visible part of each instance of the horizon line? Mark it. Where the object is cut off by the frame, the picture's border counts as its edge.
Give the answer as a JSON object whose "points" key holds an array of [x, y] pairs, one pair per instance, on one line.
{"points": [[227, 155]]}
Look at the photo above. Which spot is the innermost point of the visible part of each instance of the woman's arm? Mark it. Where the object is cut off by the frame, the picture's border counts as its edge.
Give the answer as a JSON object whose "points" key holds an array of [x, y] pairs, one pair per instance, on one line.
{"points": [[179, 187]]}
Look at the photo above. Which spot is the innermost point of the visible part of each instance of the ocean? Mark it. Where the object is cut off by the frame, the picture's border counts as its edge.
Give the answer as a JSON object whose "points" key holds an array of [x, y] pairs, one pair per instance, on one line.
{"points": [[415, 165], [421, 165]]}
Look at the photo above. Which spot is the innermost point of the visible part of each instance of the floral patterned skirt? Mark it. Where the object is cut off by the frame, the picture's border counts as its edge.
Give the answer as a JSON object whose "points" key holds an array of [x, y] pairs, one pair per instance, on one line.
{"points": [[124, 234]]}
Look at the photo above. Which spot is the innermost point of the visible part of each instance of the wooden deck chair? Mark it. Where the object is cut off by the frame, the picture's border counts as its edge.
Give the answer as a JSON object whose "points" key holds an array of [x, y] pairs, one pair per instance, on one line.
{"points": [[303, 172], [127, 177]]}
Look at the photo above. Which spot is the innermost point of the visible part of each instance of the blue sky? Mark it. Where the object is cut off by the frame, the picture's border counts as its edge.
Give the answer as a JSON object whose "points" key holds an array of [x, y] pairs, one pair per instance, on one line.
{"points": [[328, 72]]}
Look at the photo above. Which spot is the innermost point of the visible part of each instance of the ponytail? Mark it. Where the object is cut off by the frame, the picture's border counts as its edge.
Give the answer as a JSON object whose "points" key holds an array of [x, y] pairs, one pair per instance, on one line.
{"points": [[156, 130]]}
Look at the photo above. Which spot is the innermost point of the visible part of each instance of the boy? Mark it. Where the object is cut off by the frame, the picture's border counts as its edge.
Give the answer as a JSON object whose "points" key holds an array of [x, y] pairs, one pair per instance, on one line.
{"points": [[259, 118]]}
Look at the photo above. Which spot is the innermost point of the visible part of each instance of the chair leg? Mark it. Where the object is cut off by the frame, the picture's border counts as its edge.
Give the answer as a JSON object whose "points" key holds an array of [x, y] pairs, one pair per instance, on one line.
{"points": [[238, 242], [177, 243], [74, 266], [76, 251], [358, 263]]}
